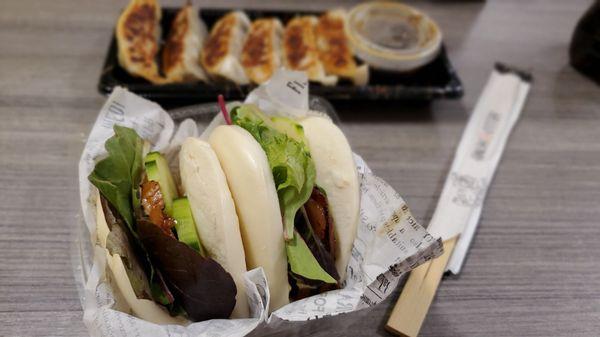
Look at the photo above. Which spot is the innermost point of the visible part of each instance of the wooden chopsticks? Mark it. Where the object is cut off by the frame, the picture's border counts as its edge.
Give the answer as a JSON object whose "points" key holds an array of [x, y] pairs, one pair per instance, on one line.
{"points": [[418, 293]]}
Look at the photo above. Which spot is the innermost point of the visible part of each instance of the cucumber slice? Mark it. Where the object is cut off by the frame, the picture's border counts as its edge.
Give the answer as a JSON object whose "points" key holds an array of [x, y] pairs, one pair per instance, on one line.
{"points": [[158, 170], [185, 225], [289, 127], [151, 156]]}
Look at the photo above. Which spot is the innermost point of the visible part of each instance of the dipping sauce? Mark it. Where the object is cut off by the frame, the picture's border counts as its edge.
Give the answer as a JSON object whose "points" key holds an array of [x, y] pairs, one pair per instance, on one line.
{"points": [[393, 36], [387, 31]]}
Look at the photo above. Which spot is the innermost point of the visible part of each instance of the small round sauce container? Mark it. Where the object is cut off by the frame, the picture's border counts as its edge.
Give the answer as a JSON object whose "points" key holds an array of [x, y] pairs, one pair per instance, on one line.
{"points": [[393, 36]]}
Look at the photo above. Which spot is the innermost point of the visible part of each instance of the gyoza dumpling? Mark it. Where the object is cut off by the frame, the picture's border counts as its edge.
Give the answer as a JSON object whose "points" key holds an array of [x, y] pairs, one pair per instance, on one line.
{"points": [[138, 32], [222, 49], [261, 54], [334, 48], [181, 53], [300, 49]]}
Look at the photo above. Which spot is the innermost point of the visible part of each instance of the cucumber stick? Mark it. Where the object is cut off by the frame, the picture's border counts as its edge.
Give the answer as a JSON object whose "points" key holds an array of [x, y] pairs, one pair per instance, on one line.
{"points": [[289, 127], [151, 156], [179, 209], [185, 225], [158, 170]]}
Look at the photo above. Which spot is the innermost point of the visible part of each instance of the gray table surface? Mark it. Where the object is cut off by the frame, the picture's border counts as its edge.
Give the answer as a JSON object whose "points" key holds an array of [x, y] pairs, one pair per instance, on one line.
{"points": [[534, 268]]}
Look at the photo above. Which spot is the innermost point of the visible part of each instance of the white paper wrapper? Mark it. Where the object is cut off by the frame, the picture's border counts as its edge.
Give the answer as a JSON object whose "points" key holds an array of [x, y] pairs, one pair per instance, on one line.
{"points": [[389, 241]]}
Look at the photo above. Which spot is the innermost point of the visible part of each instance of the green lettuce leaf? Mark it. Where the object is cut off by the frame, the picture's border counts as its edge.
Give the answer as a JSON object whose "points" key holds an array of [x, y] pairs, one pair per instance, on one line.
{"points": [[289, 159], [117, 176], [303, 262]]}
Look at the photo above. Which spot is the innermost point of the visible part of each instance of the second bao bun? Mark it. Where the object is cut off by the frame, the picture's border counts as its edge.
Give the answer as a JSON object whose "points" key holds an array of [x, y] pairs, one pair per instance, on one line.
{"points": [[251, 184]]}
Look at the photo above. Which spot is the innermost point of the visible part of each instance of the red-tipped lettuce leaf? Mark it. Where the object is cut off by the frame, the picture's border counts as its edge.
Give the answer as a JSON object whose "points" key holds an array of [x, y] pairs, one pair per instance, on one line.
{"points": [[202, 287]]}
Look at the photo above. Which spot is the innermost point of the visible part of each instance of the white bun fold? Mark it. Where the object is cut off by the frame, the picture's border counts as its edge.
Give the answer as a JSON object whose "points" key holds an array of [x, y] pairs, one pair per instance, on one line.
{"points": [[336, 174], [143, 308], [253, 189], [205, 185]]}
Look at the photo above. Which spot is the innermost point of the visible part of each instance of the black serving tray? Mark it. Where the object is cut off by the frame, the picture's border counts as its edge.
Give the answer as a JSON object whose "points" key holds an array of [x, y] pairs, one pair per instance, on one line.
{"points": [[435, 80]]}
